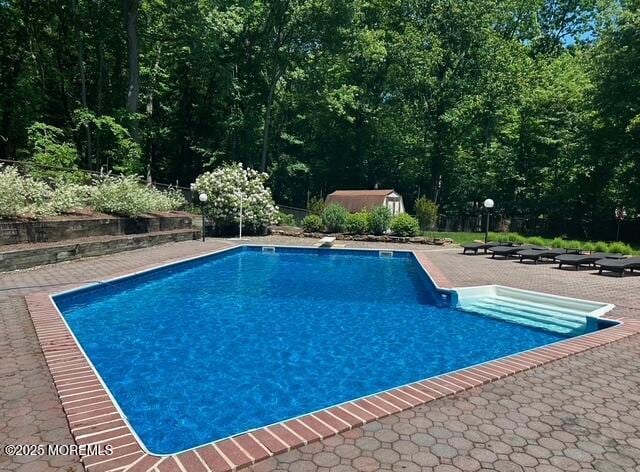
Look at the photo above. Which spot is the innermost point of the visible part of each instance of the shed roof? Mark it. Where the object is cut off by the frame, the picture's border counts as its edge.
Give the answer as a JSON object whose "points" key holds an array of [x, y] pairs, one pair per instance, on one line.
{"points": [[358, 200], [358, 193]]}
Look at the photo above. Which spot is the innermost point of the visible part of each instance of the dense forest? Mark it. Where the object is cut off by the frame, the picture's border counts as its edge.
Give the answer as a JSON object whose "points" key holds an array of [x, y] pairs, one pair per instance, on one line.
{"points": [[535, 103]]}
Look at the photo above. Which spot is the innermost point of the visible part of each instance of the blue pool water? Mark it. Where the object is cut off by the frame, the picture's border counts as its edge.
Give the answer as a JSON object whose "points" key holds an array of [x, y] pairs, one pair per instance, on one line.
{"points": [[214, 347]]}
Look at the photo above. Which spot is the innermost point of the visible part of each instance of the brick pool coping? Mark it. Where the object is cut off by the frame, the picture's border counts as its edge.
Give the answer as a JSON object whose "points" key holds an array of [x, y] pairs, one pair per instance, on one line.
{"points": [[94, 418]]}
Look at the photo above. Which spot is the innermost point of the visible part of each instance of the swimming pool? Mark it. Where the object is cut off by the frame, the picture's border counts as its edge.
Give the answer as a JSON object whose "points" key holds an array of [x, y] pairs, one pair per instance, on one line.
{"points": [[217, 346]]}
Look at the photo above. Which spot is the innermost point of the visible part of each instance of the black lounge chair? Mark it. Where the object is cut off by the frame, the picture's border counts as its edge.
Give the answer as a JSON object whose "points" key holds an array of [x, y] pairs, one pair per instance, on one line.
{"points": [[536, 254], [475, 247], [578, 260], [618, 265], [508, 251]]}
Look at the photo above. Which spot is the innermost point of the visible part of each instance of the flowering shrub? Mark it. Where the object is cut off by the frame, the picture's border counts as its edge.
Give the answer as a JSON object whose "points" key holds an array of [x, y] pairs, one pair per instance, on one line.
{"points": [[405, 225], [226, 185], [22, 196], [166, 200], [25, 196], [335, 218], [126, 196], [67, 196], [312, 224]]}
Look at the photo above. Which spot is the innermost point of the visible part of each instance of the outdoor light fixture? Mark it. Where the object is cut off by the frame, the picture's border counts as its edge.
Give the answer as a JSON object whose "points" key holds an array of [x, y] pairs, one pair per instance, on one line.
{"points": [[488, 204], [203, 197], [621, 214]]}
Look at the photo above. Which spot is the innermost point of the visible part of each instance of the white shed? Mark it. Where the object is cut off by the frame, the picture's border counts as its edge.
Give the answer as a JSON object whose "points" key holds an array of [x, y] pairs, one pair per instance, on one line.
{"points": [[358, 200]]}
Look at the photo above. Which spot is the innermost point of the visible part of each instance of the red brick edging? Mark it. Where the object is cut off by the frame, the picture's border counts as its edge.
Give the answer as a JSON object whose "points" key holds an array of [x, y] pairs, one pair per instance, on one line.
{"points": [[94, 418]]}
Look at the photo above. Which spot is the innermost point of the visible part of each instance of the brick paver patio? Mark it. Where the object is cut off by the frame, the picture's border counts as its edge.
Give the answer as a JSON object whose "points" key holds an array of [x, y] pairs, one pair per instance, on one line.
{"points": [[581, 413]]}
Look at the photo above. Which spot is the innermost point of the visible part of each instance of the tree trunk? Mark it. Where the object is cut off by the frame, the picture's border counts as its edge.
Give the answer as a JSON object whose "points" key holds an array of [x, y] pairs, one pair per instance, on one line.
{"points": [[131, 12], [267, 120], [83, 83], [265, 131]]}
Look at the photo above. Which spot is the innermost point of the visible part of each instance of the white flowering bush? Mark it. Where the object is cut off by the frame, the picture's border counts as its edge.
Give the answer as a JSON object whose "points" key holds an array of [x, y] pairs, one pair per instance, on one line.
{"points": [[167, 200], [126, 196], [68, 196], [22, 196], [226, 185]]}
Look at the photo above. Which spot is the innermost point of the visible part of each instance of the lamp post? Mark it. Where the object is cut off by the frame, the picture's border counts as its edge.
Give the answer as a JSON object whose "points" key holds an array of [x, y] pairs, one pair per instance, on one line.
{"points": [[488, 204], [203, 197], [621, 213], [240, 234]]}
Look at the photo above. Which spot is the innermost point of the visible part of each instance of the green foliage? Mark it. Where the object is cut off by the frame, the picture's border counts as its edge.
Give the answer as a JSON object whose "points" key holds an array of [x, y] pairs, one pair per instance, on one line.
{"points": [[535, 241], [620, 248], [426, 213], [517, 238], [358, 223], [119, 150], [379, 220], [334, 218], [404, 225], [558, 243], [126, 196], [312, 224], [316, 206], [53, 158], [286, 219], [588, 246], [533, 103], [600, 246], [572, 244], [498, 237]]}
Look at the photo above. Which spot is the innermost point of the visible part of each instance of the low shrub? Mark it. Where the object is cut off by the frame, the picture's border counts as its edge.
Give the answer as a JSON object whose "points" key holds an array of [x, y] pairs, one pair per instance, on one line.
{"points": [[426, 213], [312, 224], [557, 243], [286, 219], [334, 218], [404, 225], [126, 196], [68, 196], [123, 196], [358, 223], [572, 244], [536, 241], [517, 238], [600, 246], [499, 237], [588, 246], [22, 196], [379, 220], [167, 200], [620, 248], [316, 206]]}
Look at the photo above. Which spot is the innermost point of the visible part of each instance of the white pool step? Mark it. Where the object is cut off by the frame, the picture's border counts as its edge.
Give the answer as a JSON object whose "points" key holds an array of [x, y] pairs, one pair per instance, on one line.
{"points": [[559, 310], [552, 312], [512, 311], [565, 315]]}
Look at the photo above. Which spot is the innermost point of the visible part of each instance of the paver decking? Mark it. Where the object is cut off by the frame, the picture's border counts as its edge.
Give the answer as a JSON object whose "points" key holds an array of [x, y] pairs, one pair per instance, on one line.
{"points": [[324, 453]]}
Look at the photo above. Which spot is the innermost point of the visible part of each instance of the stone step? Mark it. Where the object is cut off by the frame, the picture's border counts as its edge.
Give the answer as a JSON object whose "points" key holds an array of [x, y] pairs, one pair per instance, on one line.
{"points": [[24, 256]]}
